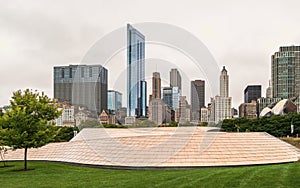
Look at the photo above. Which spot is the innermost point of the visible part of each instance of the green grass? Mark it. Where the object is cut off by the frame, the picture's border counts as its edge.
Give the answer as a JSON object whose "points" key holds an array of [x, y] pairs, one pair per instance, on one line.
{"points": [[50, 174]]}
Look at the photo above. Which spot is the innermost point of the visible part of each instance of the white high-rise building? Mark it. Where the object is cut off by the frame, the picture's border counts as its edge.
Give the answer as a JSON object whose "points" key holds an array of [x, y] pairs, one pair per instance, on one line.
{"points": [[222, 103], [204, 115], [224, 85], [222, 108], [269, 90]]}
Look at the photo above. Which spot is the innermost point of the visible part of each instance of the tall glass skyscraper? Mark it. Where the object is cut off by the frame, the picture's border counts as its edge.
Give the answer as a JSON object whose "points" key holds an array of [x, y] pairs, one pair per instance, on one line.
{"points": [[114, 100], [197, 98], [286, 72], [170, 96], [136, 84], [252, 92]]}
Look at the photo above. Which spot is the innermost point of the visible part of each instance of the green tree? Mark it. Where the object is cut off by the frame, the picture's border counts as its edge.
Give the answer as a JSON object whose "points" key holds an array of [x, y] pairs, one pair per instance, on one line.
{"points": [[173, 124], [65, 134], [26, 124], [276, 125]]}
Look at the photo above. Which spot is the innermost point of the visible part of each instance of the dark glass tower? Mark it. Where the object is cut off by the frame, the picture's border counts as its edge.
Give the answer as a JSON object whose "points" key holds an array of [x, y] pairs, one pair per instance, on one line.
{"points": [[82, 85], [252, 92], [197, 98]]}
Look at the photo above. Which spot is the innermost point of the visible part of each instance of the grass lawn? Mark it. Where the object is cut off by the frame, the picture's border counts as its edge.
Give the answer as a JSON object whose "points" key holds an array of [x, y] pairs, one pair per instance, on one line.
{"points": [[50, 174]]}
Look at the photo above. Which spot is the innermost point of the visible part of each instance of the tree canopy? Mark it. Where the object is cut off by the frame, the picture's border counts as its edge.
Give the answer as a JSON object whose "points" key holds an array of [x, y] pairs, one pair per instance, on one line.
{"points": [[278, 126], [27, 123], [65, 134]]}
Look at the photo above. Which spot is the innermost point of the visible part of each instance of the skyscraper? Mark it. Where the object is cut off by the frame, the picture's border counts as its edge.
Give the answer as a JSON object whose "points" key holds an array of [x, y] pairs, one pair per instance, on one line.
{"points": [[167, 96], [175, 79], [156, 86], [183, 112], [197, 98], [269, 91], [248, 110], [170, 95], [221, 105], [252, 92], [286, 72], [82, 85], [224, 85], [114, 100], [136, 84], [159, 112]]}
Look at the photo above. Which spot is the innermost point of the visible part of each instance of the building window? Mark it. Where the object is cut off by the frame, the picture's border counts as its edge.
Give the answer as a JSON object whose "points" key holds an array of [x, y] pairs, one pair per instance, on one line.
{"points": [[63, 73], [138, 50], [141, 50], [82, 72], [90, 71], [70, 73]]}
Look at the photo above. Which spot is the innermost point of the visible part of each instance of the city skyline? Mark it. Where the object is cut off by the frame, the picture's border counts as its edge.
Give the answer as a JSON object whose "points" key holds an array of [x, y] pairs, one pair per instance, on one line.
{"points": [[234, 40]]}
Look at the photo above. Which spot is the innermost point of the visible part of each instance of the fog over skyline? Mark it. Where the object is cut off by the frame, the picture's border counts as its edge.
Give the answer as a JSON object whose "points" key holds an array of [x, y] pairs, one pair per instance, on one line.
{"points": [[35, 36]]}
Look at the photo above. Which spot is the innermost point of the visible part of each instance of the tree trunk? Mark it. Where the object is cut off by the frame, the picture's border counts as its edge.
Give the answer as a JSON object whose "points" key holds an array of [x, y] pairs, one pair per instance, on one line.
{"points": [[25, 159]]}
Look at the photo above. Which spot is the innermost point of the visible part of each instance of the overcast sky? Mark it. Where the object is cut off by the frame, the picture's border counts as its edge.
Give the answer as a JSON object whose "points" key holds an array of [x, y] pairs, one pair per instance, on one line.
{"points": [[242, 35]]}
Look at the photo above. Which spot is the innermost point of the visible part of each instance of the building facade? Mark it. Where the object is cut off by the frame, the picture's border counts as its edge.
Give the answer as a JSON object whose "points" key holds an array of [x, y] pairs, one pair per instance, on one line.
{"points": [[204, 115], [114, 101], [175, 79], [224, 83], [269, 91], [67, 117], [221, 105], [136, 84], [82, 85], [170, 96], [159, 112], [248, 110], [286, 73], [197, 99], [252, 92], [107, 118], [264, 102], [156, 86], [182, 114], [222, 108], [167, 96]]}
